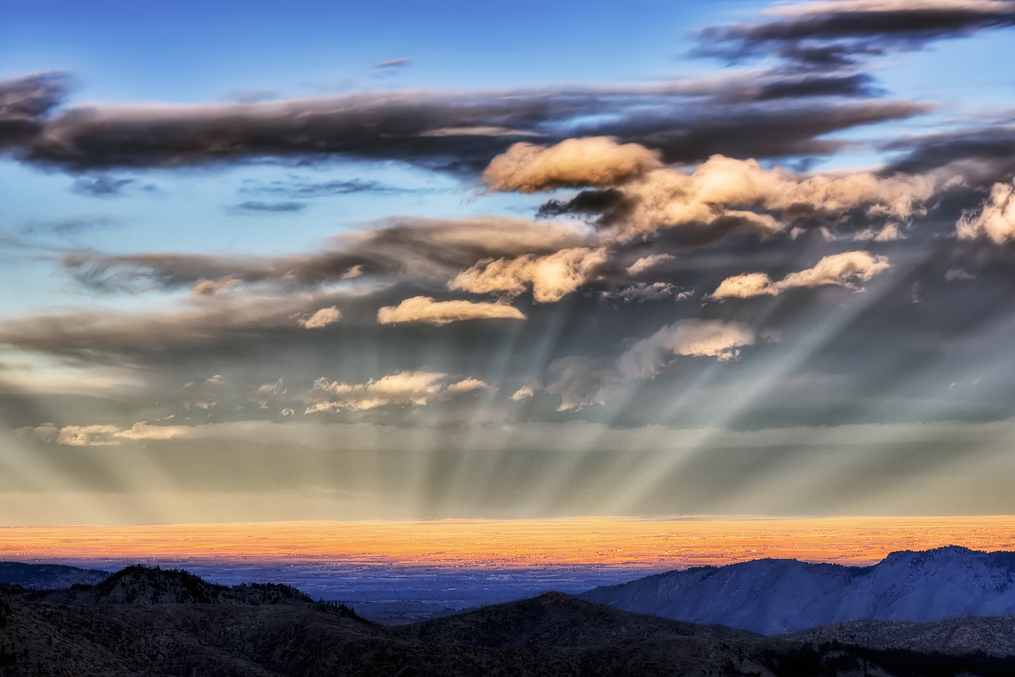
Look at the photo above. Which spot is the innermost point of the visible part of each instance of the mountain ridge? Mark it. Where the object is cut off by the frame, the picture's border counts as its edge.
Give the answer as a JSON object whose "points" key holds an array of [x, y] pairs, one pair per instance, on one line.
{"points": [[777, 596]]}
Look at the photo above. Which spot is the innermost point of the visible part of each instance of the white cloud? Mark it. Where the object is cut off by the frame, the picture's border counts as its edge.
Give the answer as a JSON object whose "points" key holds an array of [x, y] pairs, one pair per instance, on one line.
{"points": [[594, 161], [100, 435], [523, 393], [415, 388], [847, 269], [691, 338], [425, 309], [467, 385], [322, 318], [550, 277], [265, 392], [996, 218], [646, 262]]}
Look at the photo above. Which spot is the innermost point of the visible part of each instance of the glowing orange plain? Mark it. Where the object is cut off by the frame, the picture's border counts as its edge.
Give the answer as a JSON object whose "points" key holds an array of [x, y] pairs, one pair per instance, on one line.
{"points": [[628, 543]]}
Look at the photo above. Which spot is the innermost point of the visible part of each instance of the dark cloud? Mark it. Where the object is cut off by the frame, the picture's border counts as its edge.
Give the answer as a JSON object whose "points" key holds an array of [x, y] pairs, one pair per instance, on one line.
{"points": [[25, 101], [101, 186], [842, 32], [253, 206], [854, 85], [423, 249], [452, 132], [303, 189], [981, 155]]}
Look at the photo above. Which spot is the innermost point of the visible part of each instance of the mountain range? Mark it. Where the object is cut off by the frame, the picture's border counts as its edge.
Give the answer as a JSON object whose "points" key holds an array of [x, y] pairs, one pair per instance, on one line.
{"points": [[148, 621], [776, 596]]}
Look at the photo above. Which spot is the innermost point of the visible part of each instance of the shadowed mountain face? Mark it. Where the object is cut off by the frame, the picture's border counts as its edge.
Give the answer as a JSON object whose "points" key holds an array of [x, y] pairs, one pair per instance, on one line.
{"points": [[991, 635], [48, 576], [777, 596], [556, 619]]}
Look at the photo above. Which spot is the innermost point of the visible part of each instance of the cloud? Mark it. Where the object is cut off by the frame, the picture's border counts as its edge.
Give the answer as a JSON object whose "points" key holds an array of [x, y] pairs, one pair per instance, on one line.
{"points": [[322, 318], [644, 291], [422, 249], [458, 132], [523, 393], [415, 388], [101, 186], [847, 269], [841, 32], [550, 277], [264, 393], [276, 207], [304, 189], [467, 385], [995, 219], [98, 435], [581, 381], [393, 63], [24, 103], [214, 320], [724, 194], [595, 161], [688, 338], [762, 200], [425, 309], [646, 262], [953, 274], [212, 287]]}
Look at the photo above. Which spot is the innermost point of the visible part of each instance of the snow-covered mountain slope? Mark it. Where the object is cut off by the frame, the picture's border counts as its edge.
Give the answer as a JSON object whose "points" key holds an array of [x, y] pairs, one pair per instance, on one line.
{"points": [[776, 596]]}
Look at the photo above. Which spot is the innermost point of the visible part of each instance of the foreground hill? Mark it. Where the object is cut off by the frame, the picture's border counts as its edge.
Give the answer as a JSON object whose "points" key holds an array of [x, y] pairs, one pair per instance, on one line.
{"points": [[777, 596], [48, 576], [152, 622], [991, 635]]}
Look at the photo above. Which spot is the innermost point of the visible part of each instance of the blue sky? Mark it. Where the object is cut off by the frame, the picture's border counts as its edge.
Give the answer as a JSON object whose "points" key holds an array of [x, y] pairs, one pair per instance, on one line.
{"points": [[606, 256]]}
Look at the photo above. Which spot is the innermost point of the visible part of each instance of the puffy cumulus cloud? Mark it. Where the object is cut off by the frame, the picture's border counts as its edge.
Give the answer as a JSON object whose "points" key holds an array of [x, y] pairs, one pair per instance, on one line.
{"points": [[405, 388], [847, 269], [646, 262], [523, 393], [425, 309], [551, 277], [690, 338], [995, 219], [322, 318], [724, 193], [595, 161], [466, 385], [99, 435]]}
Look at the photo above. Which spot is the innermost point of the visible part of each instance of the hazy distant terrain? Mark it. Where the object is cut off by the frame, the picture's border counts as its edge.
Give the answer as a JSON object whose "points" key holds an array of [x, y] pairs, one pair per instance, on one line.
{"points": [[777, 596], [47, 576], [144, 621]]}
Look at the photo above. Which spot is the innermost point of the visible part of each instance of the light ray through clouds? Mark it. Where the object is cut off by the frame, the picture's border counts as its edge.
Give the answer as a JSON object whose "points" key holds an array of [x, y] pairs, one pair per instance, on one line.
{"points": [[415, 298]]}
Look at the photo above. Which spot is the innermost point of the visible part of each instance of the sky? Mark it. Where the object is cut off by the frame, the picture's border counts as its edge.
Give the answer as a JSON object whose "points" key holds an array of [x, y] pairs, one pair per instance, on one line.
{"points": [[404, 261]]}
